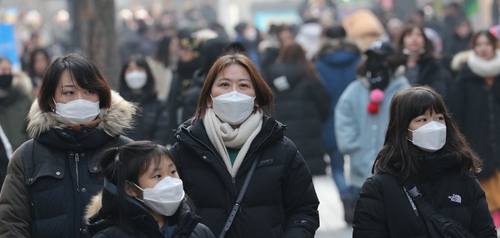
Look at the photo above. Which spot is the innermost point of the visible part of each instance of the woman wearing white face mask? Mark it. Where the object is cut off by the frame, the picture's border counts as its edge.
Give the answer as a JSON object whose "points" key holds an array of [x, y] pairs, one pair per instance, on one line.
{"points": [[51, 178], [423, 177], [475, 104], [142, 196], [231, 142], [138, 85]]}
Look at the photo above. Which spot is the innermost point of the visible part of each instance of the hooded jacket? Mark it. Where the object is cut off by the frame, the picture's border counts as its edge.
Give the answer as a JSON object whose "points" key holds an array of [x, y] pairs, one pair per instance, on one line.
{"points": [[336, 63], [359, 133], [383, 209], [475, 107], [280, 200], [51, 178], [101, 225]]}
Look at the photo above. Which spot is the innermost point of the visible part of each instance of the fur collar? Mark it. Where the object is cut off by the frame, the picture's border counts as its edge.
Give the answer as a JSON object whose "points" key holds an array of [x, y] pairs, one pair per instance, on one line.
{"points": [[484, 68], [460, 60], [114, 120]]}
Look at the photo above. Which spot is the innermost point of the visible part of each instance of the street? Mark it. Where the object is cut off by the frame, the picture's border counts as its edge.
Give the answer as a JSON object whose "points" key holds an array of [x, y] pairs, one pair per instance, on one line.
{"points": [[332, 224]]}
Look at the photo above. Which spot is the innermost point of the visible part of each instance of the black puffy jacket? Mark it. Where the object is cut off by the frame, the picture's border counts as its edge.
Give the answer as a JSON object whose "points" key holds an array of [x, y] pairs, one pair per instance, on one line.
{"points": [[103, 225], [280, 200], [303, 106], [475, 107], [383, 209], [151, 121]]}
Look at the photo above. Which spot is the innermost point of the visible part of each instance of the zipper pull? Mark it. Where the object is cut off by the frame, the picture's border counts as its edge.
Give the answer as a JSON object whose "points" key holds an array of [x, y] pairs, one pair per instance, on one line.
{"points": [[77, 157]]}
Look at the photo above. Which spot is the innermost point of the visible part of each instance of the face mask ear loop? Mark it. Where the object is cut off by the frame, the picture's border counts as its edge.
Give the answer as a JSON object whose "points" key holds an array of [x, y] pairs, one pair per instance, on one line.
{"points": [[411, 134], [137, 186]]}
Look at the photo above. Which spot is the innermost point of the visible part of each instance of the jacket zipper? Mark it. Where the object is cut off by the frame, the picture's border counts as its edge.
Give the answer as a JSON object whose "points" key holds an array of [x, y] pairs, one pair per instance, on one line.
{"points": [[77, 159]]}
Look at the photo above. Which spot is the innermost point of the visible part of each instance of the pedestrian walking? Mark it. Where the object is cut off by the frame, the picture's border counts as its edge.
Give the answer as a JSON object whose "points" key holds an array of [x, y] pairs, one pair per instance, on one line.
{"points": [[244, 176], [51, 178], [423, 183]]}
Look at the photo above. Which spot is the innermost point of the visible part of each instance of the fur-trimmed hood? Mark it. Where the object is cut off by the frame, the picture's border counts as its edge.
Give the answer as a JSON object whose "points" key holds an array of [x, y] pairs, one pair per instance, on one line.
{"points": [[94, 206], [113, 120]]}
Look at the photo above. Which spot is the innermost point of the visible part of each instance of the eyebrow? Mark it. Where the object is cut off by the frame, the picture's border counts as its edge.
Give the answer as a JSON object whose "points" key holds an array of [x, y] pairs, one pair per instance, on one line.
{"points": [[239, 80]]}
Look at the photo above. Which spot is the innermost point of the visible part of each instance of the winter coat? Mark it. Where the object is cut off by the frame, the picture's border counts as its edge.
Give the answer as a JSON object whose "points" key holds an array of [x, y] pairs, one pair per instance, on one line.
{"points": [[182, 83], [14, 109], [434, 75], [51, 178], [302, 105], [454, 44], [475, 107], [4, 161], [101, 224], [383, 209], [151, 121], [336, 63], [280, 200], [359, 133]]}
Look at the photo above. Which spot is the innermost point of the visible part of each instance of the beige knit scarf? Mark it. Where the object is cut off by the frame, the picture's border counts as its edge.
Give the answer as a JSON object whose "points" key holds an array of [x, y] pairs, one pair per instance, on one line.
{"points": [[222, 135]]}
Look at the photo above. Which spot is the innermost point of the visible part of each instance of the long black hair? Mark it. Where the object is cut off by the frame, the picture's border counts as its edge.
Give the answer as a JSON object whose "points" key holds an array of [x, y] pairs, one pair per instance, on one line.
{"points": [[128, 163], [405, 106]]}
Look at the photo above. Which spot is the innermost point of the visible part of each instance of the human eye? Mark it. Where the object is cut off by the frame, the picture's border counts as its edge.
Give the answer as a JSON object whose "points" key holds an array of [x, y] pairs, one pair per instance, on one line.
{"points": [[173, 172], [421, 119], [90, 92], [68, 92], [157, 176]]}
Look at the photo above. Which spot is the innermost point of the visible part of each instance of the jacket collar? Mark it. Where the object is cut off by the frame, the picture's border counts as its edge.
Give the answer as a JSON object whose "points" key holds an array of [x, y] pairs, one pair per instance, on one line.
{"points": [[114, 120]]}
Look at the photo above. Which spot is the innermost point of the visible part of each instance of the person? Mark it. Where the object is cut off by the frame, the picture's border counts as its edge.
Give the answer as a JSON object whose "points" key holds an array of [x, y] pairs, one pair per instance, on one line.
{"points": [[51, 178], [142, 196], [189, 61], [39, 61], [5, 154], [250, 38], [210, 50], [15, 102], [301, 103], [423, 147], [217, 148], [475, 106], [161, 65], [415, 51], [336, 62], [137, 85], [361, 115], [457, 42]]}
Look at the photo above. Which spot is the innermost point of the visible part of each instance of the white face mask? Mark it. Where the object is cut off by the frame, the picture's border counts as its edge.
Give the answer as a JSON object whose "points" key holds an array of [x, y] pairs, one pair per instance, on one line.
{"points": [[430, 137], [233, 108], [165, 197], [251, 34], [78, 111], [136, 79]]}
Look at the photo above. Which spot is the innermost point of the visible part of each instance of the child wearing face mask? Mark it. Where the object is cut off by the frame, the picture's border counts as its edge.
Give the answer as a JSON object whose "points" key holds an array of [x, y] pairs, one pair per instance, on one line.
{"points": [[423, 183], [142, 196]]}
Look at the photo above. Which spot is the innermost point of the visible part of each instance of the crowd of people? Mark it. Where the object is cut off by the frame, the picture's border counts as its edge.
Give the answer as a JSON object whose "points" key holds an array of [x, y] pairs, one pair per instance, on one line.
{"points": [[229, 131]]}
